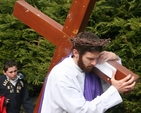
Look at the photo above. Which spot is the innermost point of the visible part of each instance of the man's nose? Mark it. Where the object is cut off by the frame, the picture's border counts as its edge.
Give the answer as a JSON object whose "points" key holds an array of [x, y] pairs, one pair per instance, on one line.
{"points": [[94, 62], [14, 73]]}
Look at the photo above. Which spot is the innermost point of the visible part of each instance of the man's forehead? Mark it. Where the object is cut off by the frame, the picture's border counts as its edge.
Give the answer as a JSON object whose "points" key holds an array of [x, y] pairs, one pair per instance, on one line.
{"points": [[92, 54], [12, 68]]}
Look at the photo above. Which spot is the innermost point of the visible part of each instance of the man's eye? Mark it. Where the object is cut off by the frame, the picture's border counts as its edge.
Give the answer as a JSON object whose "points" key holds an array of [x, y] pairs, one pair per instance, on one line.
{"points": [[13, 71], [91, 59]]}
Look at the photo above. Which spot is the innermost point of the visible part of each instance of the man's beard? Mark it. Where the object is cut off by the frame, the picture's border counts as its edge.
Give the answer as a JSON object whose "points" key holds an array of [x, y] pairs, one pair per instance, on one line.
{"points": [[83, 67]]}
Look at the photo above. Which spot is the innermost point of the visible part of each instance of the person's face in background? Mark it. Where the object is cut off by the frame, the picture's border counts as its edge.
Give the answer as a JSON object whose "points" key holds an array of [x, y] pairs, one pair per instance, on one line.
{"points": [[11, 72], [87, 61]]}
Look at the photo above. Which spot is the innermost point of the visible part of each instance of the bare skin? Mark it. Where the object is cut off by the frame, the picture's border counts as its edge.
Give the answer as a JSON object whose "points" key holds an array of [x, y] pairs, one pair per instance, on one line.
{"points": [[124, 85], [106, 56], [11, 72]]}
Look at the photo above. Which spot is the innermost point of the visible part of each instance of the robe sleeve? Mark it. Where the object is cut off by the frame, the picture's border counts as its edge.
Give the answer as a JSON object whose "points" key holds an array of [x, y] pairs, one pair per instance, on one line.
{"points": [[69, 98]]}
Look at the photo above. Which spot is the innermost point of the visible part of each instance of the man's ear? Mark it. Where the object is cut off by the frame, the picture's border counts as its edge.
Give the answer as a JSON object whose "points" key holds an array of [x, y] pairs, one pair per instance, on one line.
{"points": [[75, 53], [4, 72]]}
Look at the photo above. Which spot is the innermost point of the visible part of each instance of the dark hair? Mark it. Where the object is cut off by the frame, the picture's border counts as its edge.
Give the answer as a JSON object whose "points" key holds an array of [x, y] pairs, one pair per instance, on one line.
{"points": [[88, 42], [8, 63]]}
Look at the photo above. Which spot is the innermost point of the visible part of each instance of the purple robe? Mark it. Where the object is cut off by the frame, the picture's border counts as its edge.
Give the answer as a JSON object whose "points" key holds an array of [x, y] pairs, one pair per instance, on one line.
{"points": [[92, 86]]}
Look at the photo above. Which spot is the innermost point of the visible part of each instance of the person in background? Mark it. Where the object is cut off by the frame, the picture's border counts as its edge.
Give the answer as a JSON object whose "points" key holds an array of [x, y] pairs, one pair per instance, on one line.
{"points": [[14, 89], [72, 87]]}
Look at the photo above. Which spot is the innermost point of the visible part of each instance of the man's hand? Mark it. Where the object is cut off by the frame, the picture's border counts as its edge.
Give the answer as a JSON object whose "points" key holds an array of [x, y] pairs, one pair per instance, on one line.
{"points": [[6, 102], [124, 85], [106, 56]]}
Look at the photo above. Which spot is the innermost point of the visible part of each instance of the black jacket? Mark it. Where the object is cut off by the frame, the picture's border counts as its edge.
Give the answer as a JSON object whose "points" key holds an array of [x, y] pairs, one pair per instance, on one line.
{"points": [[17, 95]]}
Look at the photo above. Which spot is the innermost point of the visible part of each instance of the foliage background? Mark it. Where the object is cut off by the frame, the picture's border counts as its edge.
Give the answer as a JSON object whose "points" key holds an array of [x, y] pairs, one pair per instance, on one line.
{"points": [[118, 19]]}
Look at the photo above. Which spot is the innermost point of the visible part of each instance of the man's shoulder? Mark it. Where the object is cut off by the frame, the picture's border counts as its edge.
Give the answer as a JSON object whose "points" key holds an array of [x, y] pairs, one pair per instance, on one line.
{"points": [[2, 76]]}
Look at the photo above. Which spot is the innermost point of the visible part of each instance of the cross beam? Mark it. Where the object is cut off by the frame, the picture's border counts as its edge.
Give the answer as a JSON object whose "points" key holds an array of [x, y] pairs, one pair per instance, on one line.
{"points": [[76, 21]]}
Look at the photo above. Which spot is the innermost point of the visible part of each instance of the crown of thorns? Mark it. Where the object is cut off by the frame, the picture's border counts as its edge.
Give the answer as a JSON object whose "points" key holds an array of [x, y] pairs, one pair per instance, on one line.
{"points": [[84, 42]]}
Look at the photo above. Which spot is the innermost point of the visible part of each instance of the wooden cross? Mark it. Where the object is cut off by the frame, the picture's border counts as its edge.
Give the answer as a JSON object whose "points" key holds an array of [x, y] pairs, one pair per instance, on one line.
{"points": [[76, 21]]}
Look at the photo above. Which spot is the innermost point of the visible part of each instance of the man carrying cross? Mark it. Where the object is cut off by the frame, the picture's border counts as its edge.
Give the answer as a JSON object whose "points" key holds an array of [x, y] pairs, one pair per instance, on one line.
{"points": [[72, 87]]}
